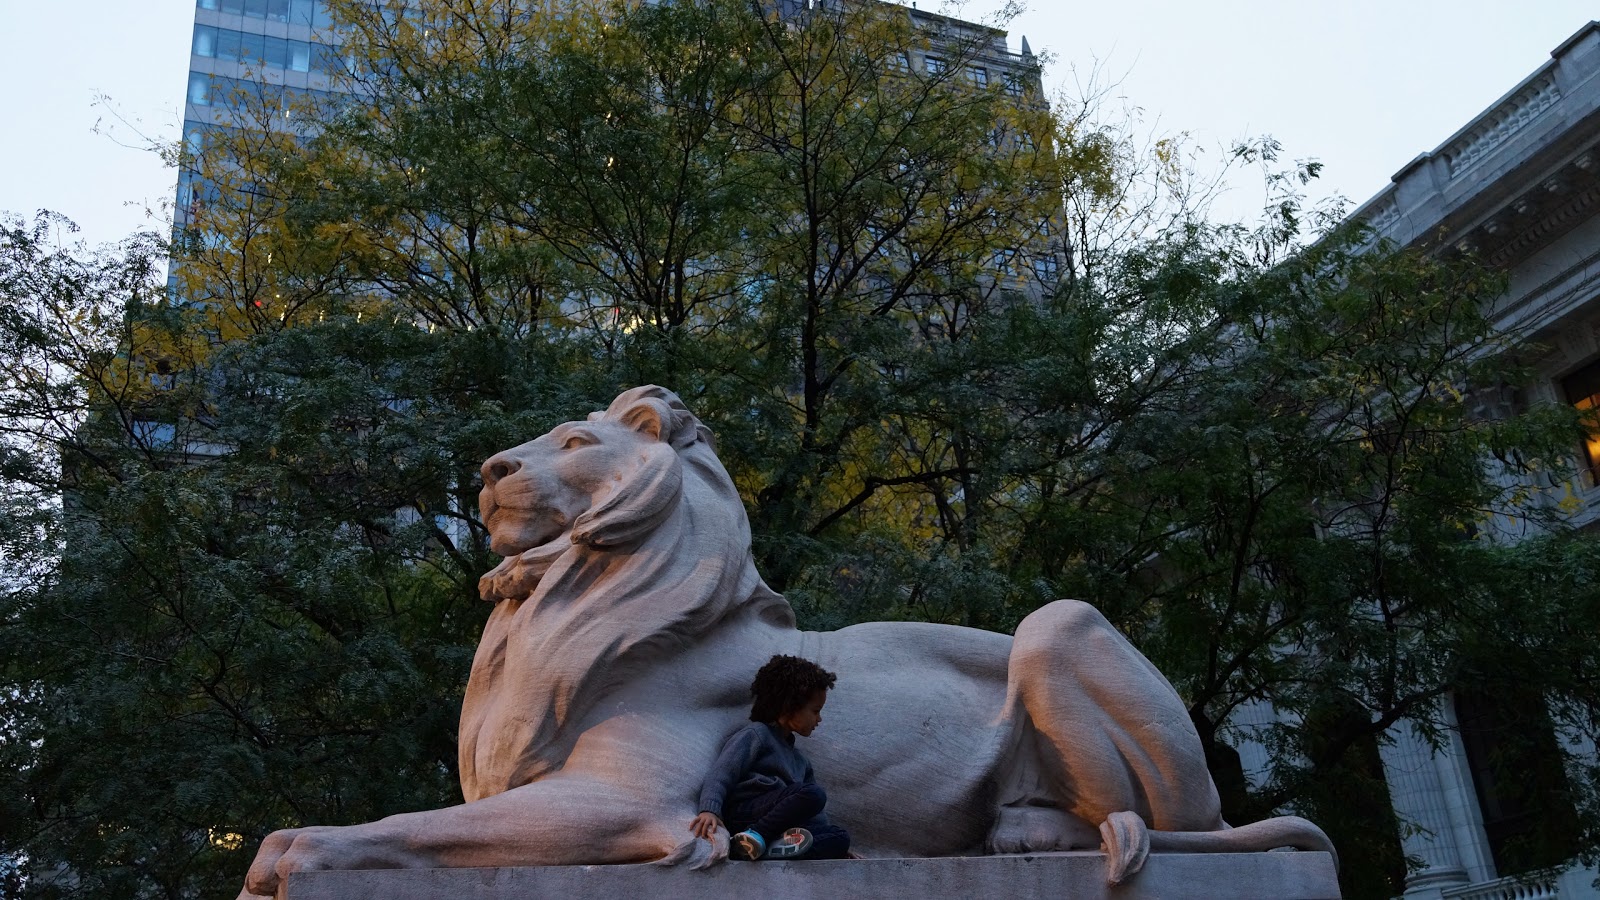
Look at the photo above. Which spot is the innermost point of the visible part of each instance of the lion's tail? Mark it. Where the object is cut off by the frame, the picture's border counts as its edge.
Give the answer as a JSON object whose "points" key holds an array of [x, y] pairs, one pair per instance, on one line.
{"points": [[1128, 841]]}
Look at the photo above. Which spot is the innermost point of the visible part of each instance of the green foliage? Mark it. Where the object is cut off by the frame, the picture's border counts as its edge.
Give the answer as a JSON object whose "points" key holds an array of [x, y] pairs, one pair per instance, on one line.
{"points": [[256, 598], [239, 539]]}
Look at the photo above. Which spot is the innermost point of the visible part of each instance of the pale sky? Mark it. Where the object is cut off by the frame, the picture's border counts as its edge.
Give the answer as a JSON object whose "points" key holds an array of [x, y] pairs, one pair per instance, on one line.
{"points": [[1362, 85]]}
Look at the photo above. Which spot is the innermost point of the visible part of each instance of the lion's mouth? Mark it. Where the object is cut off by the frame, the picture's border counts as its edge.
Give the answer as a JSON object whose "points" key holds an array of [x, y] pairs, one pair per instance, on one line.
{"points": [[514, 530]]}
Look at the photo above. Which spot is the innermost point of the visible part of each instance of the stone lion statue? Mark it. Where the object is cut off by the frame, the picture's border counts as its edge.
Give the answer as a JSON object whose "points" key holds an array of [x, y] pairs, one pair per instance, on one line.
{"points": [[629, 619]]}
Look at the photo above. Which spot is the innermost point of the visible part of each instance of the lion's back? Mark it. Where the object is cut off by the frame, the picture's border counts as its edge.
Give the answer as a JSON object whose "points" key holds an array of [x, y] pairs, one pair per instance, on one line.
{"points": [[893, 647], [913, 733]]}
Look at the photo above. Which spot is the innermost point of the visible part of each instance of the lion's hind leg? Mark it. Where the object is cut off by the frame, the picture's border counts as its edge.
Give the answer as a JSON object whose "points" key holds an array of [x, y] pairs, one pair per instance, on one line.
{"points": [[1112, 735]]}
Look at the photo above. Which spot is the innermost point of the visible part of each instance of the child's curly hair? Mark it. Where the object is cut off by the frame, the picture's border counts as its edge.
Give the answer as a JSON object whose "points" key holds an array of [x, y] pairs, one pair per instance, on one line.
{"points": [[784, 685]]}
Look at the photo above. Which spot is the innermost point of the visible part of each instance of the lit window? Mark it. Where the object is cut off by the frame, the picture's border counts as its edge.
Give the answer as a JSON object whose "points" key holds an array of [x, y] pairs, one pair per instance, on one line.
{"points": [[1583, 391]]}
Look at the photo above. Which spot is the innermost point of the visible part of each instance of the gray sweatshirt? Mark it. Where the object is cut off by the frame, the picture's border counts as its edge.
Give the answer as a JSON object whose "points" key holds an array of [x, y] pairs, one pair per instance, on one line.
{"points": [[755, 759]]}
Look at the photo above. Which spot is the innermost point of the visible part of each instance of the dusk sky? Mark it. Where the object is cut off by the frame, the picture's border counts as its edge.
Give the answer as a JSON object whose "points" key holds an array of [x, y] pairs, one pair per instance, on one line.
{"points": [[1362, 85]]}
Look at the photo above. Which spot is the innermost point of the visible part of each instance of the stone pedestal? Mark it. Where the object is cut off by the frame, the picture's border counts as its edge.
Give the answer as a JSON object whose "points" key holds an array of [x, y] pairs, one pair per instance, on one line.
{"points": [[1079, 876]]}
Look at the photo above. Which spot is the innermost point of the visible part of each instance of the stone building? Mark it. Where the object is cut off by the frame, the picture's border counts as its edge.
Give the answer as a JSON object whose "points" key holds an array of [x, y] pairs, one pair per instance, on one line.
{"points": [[1519, 187]]}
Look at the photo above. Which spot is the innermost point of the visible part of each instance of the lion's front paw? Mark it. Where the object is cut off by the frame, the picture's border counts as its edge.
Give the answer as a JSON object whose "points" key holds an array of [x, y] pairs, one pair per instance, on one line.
{"points": [[284, 852], [262, 880]]}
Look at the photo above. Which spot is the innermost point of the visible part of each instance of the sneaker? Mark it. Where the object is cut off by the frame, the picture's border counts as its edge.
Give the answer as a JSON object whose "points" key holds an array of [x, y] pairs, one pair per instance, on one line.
{"points": [[794, 842], [746, 844]]}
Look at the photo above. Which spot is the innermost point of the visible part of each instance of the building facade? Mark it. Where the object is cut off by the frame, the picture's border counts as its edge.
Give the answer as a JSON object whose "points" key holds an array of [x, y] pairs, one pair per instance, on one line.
{"points": [[251, 55], [274, 49], [1519, 188]]}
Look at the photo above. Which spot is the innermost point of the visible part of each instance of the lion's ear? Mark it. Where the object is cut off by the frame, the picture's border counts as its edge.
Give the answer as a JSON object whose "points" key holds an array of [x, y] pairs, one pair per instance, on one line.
{"points": [[657, 412], [651, 417], [637, 506]]}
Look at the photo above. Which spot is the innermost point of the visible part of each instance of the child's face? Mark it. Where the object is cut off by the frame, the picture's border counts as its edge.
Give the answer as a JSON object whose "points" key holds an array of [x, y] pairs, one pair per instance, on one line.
{"points": [[803, 720]]}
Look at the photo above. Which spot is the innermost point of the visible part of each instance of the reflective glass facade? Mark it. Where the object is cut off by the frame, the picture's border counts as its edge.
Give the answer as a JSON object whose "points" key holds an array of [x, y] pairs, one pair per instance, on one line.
{"points": [[211, 42], [253, 60], [309, 13]]}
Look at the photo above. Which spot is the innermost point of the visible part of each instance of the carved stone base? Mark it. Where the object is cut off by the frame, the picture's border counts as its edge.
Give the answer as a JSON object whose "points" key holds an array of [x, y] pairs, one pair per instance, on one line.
{"points": [[1077, 875]]}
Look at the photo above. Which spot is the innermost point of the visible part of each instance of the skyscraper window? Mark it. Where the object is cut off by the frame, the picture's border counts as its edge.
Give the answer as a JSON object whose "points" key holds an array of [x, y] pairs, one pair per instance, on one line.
{"points": [[205, 41], [199, 89]]}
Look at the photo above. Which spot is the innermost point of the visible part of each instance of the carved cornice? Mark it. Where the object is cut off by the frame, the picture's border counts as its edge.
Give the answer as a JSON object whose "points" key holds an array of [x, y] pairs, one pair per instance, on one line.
{"points": [[1383, 215], [1516, 177], [1497, 125], [1526, 239]]}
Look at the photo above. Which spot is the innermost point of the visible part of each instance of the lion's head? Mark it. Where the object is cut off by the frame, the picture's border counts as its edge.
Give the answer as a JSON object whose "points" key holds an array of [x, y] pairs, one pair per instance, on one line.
{"points": [[624, 538], [600, 483]]}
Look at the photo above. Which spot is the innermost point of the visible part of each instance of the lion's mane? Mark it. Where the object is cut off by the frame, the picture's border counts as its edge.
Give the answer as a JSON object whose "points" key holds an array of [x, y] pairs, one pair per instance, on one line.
{"points": [[656, 564]]}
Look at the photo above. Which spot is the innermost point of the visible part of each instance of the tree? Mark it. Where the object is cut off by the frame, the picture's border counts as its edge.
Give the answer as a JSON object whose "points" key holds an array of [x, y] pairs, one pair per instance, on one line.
{"points": [[271, 517], [767, 217], [222, 591], [1277, 467], [1318, 514]]}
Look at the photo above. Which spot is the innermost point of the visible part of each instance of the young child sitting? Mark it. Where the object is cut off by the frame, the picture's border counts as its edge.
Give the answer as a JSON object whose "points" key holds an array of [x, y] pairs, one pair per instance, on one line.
{"points": [[761, 785]]}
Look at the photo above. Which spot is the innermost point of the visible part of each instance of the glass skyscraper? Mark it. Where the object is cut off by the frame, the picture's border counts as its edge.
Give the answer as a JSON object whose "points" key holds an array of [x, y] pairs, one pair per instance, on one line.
{"points": [[260, 54]]}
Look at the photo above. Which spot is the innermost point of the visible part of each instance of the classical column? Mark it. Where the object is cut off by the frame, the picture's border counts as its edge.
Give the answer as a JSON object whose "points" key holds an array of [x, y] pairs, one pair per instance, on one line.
{"points": [[1419, 800]]}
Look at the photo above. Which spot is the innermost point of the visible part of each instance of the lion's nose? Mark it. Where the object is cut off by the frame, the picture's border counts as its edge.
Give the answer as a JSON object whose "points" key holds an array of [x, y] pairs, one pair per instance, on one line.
{"points": [[498, 467]]}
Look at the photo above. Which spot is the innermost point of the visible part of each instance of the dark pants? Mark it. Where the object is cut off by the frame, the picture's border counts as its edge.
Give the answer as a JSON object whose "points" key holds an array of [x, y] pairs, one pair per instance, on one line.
{"points": [[792, 806]]}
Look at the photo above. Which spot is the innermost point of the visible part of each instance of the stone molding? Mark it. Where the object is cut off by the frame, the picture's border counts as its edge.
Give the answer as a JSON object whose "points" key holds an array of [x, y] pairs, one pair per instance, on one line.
{"points": [[1506, 118], [1543, 888], [1533, 163]]}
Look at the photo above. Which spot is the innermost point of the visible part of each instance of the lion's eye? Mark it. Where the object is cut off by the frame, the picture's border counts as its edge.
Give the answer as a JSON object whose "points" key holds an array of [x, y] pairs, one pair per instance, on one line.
{"points": [[575, 440]]}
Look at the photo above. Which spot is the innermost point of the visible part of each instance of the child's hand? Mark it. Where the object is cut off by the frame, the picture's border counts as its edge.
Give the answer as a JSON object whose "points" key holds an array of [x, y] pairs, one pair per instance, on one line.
{"points": [[705, 825]]}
